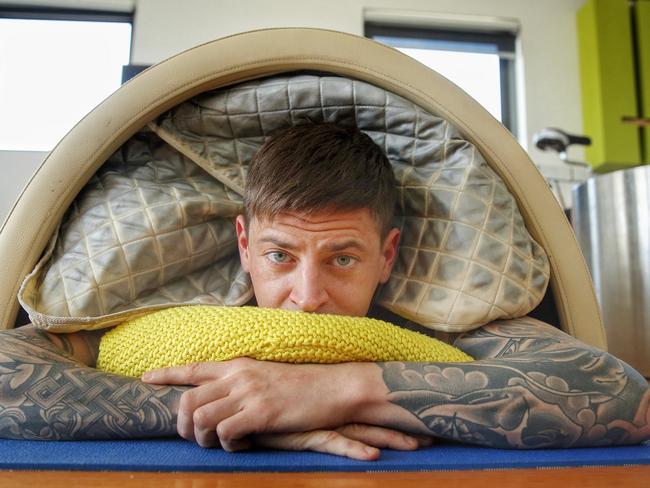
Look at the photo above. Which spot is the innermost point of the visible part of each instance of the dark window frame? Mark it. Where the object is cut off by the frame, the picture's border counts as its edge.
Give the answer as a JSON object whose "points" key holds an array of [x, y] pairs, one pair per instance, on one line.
{"points": [[503, 44], [68, 14]]}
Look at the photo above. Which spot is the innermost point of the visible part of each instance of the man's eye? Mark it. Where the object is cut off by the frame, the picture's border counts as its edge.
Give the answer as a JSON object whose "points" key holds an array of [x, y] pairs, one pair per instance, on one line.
{"points": [[278, 257], [344, 261]]}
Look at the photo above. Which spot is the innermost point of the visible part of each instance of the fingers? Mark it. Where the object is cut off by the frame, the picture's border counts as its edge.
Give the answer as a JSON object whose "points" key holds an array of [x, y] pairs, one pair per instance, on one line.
{"points": [[199, 412], [325, 441], [204, 408], [425, 440], [355, 441], [236, 445], [189, 374], [238, 425], [380, 437]]}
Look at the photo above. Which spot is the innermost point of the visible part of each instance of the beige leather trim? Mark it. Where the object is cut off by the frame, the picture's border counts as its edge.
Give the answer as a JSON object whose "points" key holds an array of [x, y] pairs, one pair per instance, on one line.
{"points": [[233, 59]]}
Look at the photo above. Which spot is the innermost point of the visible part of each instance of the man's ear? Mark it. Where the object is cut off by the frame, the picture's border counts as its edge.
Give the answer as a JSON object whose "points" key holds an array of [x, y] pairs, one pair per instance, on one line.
{"points": [[242, 241], [389, 253]]}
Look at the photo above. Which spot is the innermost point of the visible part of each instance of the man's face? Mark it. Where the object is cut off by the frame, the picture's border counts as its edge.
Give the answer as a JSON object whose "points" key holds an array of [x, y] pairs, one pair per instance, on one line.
{"points": [[329, 262]]}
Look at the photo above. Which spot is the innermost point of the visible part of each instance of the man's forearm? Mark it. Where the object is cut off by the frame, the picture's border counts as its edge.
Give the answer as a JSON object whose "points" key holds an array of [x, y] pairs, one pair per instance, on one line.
{"points": [[46, 394], [532, 392]]}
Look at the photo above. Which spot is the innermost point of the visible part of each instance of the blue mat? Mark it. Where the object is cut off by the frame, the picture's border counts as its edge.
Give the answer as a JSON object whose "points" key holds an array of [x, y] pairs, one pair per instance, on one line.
{"points": [[179, 455]]}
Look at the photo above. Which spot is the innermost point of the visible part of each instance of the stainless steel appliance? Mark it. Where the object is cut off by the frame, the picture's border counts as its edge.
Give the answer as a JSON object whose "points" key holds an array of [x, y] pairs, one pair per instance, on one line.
{"points": [[611, 217]]}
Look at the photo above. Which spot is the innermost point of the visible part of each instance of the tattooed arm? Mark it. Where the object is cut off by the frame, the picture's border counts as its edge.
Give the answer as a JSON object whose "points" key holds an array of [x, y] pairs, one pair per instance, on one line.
{"points": [[532, 386], [49, 390]]}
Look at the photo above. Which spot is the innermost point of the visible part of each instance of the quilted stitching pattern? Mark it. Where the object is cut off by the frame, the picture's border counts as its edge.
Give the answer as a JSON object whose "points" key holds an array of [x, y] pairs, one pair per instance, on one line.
{"points": [[465, 255], [150, 228]]}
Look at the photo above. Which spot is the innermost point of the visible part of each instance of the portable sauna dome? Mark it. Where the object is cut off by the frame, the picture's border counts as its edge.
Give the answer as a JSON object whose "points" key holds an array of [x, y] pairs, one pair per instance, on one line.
{"points": [[341, 65]]}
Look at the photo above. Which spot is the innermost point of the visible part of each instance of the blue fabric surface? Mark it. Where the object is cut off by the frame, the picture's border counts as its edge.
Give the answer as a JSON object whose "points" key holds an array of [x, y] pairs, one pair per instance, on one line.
{"points": [[179, 455]]}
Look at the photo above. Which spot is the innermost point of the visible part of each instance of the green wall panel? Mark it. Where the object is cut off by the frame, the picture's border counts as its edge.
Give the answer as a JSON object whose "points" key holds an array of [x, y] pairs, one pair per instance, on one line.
{"points": [[608, 83], [643, 68]]}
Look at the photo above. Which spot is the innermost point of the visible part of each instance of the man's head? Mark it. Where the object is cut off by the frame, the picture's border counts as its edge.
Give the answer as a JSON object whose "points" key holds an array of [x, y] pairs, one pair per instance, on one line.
{"points": [[311, 168], [317, 235]]}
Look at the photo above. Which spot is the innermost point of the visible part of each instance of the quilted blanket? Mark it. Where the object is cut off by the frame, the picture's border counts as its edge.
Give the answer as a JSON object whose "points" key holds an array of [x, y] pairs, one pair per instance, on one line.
{"points": [[154, 227]]}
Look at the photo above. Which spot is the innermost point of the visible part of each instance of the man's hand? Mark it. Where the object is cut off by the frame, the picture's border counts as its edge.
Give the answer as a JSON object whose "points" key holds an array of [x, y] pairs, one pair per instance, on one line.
{"points": [[235, 399], [530, 386], [356, 441]]}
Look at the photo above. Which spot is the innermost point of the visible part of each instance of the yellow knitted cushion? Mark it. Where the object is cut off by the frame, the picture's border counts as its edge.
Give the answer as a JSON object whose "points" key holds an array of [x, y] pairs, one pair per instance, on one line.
{"points": [[182, 335]]}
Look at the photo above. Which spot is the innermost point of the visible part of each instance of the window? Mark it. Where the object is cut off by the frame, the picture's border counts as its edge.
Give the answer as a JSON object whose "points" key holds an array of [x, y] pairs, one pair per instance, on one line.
{"points": [[55, 66], [481, 63]]}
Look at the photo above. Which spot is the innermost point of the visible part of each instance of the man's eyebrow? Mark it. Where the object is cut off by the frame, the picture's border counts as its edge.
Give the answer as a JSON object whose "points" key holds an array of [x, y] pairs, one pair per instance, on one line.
{"points": [[347, 244], [278, 242]]}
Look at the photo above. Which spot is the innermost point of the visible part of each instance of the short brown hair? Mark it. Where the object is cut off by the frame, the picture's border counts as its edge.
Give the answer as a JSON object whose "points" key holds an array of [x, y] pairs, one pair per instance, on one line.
{"points": [[312, 167]]}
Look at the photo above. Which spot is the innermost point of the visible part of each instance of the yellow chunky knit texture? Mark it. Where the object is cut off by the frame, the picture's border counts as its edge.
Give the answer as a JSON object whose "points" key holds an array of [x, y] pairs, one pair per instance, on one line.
{"points": [[182, 335]]}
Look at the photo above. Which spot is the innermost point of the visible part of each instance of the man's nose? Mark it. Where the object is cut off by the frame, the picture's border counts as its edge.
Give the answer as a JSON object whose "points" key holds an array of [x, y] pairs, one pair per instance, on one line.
{"points": [[308, 292]]}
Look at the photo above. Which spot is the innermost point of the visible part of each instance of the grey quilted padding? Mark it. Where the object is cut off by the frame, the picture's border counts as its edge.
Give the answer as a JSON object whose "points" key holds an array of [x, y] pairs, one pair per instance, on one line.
{"points": [[155, 228], [150, 228]]}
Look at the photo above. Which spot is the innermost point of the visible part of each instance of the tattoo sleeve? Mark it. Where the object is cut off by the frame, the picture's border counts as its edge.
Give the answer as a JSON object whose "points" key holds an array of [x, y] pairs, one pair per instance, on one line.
{"points": [[46, 393], [532, 386]]}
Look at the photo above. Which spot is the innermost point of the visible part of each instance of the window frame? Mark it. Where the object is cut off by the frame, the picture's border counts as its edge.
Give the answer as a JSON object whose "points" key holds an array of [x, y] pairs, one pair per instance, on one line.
{"points": [[67, 14], [504, 40]]}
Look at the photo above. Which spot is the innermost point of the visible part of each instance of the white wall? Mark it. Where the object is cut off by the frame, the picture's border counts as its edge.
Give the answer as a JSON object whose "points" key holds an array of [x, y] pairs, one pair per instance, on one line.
{"points": [[17, 168], [551, 92], [548, 84], [549, 88]]}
